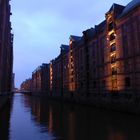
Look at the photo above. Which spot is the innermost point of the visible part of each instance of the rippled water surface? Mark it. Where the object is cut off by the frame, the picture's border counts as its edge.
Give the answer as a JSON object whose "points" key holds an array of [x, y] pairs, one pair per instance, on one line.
{"points": [[32, 118]]}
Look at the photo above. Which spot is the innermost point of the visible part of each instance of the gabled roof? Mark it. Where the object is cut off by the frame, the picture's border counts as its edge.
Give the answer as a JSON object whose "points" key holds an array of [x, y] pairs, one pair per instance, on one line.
{"points": [[130, 6], [89, 34], [116, 7], [100, 27], [44, 65], [64, 48], [75, 38]]}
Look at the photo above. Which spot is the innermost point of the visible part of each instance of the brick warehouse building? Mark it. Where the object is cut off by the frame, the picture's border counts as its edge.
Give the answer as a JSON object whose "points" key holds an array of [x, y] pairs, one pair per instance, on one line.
{"points": [[27, 84], [59, 72], [6, 47], [40, 81], [123, 40], [104, 59]]}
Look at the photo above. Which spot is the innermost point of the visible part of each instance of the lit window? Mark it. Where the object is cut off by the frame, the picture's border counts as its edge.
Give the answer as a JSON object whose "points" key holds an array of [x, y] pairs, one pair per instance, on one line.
{"points": [[112, 37], [113, 59]]}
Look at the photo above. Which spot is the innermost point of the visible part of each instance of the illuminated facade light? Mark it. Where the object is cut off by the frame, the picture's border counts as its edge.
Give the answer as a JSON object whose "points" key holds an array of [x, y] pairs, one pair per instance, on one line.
{"points": [[111, 38], [113, 54], [71, 67], [51, 76]]}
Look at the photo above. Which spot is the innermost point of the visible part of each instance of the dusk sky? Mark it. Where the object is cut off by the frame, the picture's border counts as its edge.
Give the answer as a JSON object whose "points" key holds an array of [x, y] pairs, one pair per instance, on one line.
{"points": [[41, 26]]}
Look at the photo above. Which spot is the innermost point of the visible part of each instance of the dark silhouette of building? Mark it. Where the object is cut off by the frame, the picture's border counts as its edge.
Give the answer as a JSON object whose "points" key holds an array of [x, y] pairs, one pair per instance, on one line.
{"points": [[6, 48]]}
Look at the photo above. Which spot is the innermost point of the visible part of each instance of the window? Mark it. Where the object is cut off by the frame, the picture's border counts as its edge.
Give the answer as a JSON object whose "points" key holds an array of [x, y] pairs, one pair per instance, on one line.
{"points": [[127, 66], [72, 79], [102, 41], [102, 59], [125, 45], [113, 59], [114, 84], [110, 26], [72, 66], [127, 82], [112, 37], [124, 28], [71, 59], [114, 71], [72, 72], [113, 48]]}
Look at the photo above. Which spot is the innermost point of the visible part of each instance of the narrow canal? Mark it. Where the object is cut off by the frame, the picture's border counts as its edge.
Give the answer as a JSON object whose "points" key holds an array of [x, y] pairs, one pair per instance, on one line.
{"points": [[32, 118]]}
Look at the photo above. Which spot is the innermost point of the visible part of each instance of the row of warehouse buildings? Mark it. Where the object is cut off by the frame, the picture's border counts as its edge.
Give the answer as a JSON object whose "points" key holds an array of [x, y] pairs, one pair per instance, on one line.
{"points": [[6, 48], [105, 59]]}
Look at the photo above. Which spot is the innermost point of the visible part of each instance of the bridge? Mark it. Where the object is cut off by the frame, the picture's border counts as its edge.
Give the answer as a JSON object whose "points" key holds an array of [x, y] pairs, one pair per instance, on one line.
{"points": [[22, 91]]}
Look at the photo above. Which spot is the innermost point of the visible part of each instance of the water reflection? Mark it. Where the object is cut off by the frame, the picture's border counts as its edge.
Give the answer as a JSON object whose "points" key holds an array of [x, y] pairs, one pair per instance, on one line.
{"points": [[40, 119], [74, 122], [5, 120]]}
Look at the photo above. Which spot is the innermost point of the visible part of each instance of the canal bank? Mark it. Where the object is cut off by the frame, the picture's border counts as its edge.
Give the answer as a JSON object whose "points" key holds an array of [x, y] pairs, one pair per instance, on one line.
{"points": [[126, 103]]}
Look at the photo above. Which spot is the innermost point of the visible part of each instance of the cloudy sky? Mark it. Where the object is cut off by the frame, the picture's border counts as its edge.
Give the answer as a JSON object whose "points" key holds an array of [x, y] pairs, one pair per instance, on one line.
{"points": [[41, 26]]}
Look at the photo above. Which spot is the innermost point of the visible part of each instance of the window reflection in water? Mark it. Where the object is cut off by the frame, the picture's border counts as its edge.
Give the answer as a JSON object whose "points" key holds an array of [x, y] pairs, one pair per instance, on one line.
{"points": [[74, 122], [65, 121]]}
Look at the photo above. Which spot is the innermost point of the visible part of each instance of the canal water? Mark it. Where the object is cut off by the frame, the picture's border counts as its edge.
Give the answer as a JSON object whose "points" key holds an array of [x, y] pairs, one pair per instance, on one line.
{"points": [[32, 118]]}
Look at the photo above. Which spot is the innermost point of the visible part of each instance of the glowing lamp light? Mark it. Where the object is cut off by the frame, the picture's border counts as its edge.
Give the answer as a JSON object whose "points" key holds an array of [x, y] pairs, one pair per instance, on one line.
{"points": [[113, 54]]}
